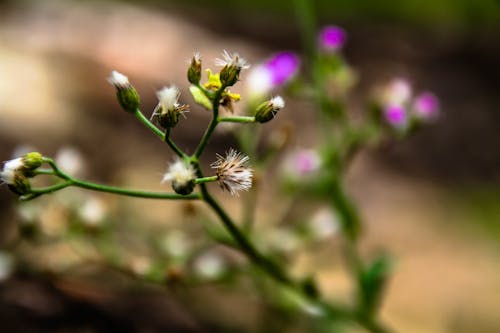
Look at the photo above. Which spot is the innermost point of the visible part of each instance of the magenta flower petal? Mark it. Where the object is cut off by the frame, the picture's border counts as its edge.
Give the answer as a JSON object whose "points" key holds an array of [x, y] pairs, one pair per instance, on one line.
{"points": [[282, 66], [332, 38], [396, 115], [426, 105]]}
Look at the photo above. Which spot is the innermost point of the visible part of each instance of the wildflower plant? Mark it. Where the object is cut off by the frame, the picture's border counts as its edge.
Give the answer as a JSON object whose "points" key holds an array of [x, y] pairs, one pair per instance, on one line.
{"points": [[307, 172]]}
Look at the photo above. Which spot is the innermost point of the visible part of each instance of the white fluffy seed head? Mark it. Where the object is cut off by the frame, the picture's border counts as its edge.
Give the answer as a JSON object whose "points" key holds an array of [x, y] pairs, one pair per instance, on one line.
{"points": [[10, 169], [232, 172], [118, 80], [168, 97], [180, 173]]}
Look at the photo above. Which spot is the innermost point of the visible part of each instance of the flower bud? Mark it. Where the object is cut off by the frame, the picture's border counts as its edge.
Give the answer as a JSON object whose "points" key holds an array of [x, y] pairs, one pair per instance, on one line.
{"points": [[267, 110], [231, 64], [20, 185], [182, 176], [168, 110], [125, 93], [32, 161], [194, 70]]}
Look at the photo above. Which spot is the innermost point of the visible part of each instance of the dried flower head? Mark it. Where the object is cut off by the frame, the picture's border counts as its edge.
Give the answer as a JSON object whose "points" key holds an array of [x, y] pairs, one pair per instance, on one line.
{"points": [[182, 176], [232, 172]]}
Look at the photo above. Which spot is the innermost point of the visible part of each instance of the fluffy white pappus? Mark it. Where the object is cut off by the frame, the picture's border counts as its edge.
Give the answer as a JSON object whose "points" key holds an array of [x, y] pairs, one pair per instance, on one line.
{"points": [[168, 97], [118, 79], [232, 172], [234, 59], [9, 170], [277, 103], [179, 172]]}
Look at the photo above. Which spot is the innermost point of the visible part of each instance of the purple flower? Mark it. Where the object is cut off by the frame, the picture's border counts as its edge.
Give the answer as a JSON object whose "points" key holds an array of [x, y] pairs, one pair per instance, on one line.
{"points": [[426, 105], [332, 38], [277, 70], [396, 115], [303, 162], [282, 66]]}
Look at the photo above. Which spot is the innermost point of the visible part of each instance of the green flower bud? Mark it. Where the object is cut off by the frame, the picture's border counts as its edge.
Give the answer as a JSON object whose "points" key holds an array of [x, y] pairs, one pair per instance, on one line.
{"points": [[125, 93], [267, 110], [231, 64], [21, 185], [194, 70], [32, 161]]}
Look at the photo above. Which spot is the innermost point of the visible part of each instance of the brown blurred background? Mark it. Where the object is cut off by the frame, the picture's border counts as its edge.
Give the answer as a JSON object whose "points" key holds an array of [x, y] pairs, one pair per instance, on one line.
{"points": [[432, 200]]}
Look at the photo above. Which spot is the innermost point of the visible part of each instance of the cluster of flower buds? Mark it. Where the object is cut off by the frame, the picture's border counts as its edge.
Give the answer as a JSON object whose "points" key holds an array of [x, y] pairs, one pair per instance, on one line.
{"points": [[401, 110], [16, 173]]}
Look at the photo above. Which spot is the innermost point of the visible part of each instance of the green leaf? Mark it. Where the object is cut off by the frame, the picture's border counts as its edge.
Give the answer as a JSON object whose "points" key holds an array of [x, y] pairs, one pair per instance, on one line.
{"points": [[200, 97]]}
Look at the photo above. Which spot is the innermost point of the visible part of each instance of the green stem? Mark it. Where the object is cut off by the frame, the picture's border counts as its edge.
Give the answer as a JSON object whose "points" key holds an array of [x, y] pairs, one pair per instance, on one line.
{"points": [[211, 126], [134, 193], [206, 179], [53, 188], [172, 145], [245, 244], [158, 132], [237, 119]]}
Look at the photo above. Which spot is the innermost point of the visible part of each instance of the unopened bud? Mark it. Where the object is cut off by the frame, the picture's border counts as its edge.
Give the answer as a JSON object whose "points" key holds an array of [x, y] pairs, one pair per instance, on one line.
{"points": [[32, 161], [21, 185], [194, 70], [125, 93], [267, 110]]}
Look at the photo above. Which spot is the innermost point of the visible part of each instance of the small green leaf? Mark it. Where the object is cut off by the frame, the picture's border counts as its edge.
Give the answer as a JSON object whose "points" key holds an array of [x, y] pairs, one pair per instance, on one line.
{"points": [[200, 97]]}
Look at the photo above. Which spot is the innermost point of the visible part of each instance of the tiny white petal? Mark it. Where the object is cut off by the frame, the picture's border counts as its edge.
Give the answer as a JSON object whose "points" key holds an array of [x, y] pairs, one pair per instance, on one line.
{"points": [[234, 59], [9, 170]]}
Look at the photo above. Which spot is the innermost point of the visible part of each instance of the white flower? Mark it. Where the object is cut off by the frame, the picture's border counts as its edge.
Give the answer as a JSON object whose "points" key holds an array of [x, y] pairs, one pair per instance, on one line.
{"points": [[70, 160], [119, 80], [179, 173], [168, 97], [233, 60], [277, 103], [397, 92], [92, 212], [232, 173], [259, 81], [10, 170], [324, 223], [209, 266], [176, 244]]}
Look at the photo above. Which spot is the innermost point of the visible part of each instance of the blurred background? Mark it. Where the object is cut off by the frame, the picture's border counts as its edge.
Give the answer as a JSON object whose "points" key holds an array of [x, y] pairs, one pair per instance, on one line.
{"points": [[433, 201]]}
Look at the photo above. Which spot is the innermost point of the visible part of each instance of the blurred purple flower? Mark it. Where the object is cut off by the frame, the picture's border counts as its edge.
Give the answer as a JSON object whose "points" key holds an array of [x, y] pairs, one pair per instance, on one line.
{"points": [[396, 115], [426, 105], [332, 38], [304, 162], [276, 71]]}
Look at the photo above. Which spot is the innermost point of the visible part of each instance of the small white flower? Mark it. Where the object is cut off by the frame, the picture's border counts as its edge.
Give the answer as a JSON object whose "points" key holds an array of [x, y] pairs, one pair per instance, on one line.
{"points": [[259, 81], [179, 173], [10, 170], [232, 172], [277, 103], [233, 60], [176, 244], [324, 223], [118, 80], [70, 160], [397, 92], [210, 266], [92, 212]]}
